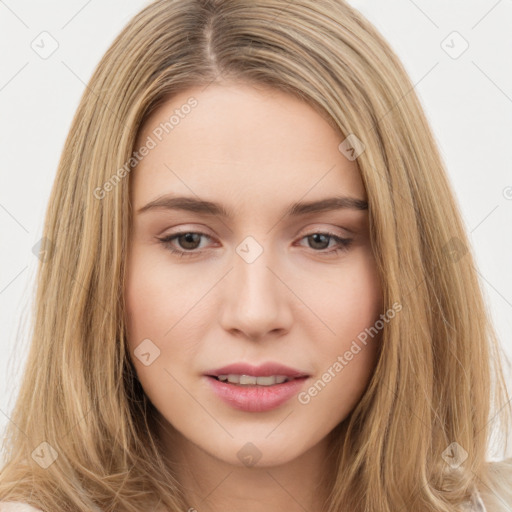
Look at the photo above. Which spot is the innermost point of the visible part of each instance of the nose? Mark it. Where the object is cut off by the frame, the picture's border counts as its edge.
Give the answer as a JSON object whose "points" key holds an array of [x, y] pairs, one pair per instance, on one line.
{"points": [[256, 301]]}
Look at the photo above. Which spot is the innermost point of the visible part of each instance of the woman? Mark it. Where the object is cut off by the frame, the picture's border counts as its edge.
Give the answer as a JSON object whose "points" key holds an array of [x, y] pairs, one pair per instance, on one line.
{"points": [[259, 291]]}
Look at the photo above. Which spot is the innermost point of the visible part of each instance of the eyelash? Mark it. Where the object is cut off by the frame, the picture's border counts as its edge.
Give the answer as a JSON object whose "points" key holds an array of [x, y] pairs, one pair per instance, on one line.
{"points": [[343, 243]]}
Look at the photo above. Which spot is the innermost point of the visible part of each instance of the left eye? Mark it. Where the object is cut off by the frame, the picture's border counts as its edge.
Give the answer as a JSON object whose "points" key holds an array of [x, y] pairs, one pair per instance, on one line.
{"points": [[319, 239], [190, 240]]}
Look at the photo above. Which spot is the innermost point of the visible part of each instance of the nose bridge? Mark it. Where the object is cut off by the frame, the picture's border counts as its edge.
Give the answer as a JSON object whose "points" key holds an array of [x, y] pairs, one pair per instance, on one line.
{"points": [[255, 284], [257, 301]]}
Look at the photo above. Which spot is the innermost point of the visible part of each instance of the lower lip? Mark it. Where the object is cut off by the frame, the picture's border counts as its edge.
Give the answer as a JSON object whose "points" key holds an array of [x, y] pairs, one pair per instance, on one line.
{"points": [[256, 398]]}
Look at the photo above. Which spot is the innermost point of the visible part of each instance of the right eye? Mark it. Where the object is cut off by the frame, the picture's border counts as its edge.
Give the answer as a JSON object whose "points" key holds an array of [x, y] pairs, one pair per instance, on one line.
{"points": [[187, 239]]}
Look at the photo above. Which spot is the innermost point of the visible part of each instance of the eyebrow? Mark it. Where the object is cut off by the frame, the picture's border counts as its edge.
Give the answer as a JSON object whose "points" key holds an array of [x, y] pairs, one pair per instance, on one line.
{"points": [[191, 204]]}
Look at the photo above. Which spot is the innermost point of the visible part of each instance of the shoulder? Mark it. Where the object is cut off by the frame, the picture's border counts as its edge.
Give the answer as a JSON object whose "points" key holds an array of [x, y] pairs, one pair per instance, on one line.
{"points": [[16, 506], [497, 497]]}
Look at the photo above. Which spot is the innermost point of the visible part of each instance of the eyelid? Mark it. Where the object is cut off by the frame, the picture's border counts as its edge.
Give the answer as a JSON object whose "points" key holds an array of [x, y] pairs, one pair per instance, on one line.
{"points": [[187, 228], [321, 228]]}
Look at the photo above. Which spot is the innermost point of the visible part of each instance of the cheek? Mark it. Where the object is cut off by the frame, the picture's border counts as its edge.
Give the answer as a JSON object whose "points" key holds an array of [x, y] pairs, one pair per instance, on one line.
{"points": [[155, 296], [151, 300], [144, 304], [147, 315], [354, 300], [163, 305], [346, 360], [355, 306]]}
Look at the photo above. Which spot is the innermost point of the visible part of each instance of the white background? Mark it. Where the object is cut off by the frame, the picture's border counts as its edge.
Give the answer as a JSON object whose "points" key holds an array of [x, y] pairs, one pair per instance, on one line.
{"points": [[468, 101]]}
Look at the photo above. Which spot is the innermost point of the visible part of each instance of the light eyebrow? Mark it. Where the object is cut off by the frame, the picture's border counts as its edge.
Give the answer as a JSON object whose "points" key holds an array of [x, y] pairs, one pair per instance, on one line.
{"points": [[191, 204]]}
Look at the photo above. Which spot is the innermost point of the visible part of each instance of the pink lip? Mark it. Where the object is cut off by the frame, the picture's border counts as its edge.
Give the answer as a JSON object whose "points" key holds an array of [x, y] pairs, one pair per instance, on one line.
{"points": [[263, 370], [256, 398]]}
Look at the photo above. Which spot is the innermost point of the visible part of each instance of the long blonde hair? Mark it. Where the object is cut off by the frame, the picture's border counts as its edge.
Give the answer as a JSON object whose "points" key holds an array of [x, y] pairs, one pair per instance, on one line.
{"points": [[82, 435]]}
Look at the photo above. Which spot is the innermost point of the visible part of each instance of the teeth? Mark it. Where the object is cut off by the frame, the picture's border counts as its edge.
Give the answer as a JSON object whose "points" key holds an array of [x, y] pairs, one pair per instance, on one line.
{"points": [[250, 380]]}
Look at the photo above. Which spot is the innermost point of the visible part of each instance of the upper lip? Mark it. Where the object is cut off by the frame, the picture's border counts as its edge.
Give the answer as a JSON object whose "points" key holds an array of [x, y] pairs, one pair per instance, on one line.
{"points": [[263, 370]]}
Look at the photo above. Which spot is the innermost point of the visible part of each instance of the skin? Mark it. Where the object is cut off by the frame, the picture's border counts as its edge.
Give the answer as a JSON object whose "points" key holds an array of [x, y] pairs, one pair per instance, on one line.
{"points": [[256, 150]]}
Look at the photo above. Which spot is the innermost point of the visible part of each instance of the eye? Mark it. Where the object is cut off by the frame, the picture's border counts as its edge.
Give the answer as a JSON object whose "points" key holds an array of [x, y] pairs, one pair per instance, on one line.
{"points": [[189, 241], [321, 240]]}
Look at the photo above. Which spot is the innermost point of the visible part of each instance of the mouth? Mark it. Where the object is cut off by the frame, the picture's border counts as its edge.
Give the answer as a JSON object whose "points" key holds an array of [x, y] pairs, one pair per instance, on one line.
{"points": [[253, 380], [249, 395], [255, 388]]}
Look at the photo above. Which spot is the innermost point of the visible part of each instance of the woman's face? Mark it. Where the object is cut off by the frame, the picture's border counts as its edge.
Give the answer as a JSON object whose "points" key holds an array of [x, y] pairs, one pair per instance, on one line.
{"points": [[258, 276]]}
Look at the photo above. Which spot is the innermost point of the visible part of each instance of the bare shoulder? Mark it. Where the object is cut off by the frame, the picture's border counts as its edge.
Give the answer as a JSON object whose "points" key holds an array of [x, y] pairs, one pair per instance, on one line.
{"points": [[16, 506], [499, 497]]}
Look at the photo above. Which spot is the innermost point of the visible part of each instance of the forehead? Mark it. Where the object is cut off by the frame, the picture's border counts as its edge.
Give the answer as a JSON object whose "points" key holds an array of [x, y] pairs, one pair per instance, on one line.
{"points": [[241, 142]]}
